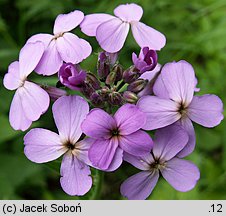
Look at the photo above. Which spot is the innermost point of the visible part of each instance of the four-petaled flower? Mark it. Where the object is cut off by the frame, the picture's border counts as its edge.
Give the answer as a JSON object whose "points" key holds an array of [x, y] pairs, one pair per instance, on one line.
{"points": [[114, 134], [63, 45], [111, 31], [181, 174], [42, 145]]}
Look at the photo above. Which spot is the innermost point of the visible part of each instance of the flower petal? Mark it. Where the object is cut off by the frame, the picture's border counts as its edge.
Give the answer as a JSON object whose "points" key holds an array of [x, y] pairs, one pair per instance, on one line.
{"points": [[140, 185], [206, 110], [160, 89], [42, 145], [92, 21], [35, 100], [159, 112], [44, 38], [73, 49], [138, 143], [102, 153], [129, 12], [76, 176], [51, 60], [17, 117], [169, 141], [181, 174], [67, 22], [129, 118], [187, 125], [112, 34], [142, 162], [146, 36], [179, 80], [69, 112], [29, 57], [12, 79], [98, 124]]}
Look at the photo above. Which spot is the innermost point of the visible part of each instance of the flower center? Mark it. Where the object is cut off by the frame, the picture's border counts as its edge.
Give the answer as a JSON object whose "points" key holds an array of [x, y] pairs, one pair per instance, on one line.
{"points": [[182, 109], [69, 145], [58, 35], [157, 165], [115, 132]]}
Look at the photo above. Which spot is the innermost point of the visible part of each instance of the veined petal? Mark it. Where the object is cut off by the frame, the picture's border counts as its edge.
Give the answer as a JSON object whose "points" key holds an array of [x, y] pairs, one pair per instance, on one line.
{"points": [[69, 112], [17, 117], [67, 22], [129, 118], [129, 12], [44, 38], [42, 145], [206, 110], [12, 79], [76, 177], [138, 143], [111, 35], [146, 36], [98, 124], [29, 57], [140, 185], [187, 125], [92, 21], [51, 60], [159, 112], [140, 162], [169, 141], [35, 100], [73, 49], [160, 89], [179, 80], [181, 174], [102, 153]]}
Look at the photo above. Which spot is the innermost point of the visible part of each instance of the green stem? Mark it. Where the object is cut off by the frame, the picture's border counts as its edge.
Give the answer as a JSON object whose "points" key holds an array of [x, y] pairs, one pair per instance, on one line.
{"points": [[98, 187]]}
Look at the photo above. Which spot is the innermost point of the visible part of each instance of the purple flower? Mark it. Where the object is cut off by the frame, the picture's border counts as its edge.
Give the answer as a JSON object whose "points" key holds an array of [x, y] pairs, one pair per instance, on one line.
{"points": [[111, 31], [146, 61], [72, 76], [30, 100], [113, 135], [63, 45], [42, 145], [180, 174], [175, 102]]}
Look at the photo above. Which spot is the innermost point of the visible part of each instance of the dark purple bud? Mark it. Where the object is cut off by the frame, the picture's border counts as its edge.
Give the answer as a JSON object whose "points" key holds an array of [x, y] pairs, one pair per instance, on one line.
{"points": [[104, 92], [54, 93], [72, 76], [96, 99], [130, 75], [87, 90], [93, 81], [112, 57], [115, 98], [118, 70], [137, 85], [111, 78], [146, 61], [130, 97], [103, 65]]}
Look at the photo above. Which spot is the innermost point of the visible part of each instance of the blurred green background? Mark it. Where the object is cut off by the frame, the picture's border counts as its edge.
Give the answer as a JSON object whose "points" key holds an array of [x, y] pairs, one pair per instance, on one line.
{"points": [[195, 31]]}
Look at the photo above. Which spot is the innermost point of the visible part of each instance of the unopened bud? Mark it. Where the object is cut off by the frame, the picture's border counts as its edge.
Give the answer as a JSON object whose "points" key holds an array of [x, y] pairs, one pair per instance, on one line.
{"points": [[130, 75], [119, 71], [111, 78], [115, 98], [130, 97], [92, 80], [103, 65], [54, 93], [96, 99], [87, 90], [137, 85]]}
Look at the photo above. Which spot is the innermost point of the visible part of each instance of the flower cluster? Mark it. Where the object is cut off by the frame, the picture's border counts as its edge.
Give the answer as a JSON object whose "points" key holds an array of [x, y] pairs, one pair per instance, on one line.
{"points": [[111, 120]]}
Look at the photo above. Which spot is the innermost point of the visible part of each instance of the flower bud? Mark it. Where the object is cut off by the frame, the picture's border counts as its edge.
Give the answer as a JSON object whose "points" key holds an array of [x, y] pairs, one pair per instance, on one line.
{"points": [[103, 65], [71, 76], [137, 85], [112, 57], [87, 89], [93, 81], [118, 70], [115, 98], [130, 97], [54, 93], [130, 75], [111, 78], [96, 99], [146, 61]]}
